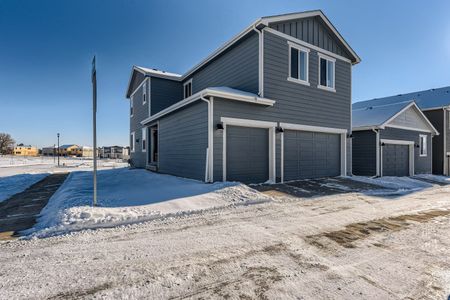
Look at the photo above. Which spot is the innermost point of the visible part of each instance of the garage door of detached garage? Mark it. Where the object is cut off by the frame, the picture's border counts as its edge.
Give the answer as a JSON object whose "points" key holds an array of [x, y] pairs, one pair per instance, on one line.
{"points": [[395, 160], [311, 154], [247, 154]]}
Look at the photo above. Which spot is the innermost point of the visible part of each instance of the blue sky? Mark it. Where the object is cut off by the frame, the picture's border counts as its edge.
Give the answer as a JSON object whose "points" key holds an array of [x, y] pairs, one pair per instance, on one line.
{"points": [[46, 49]]}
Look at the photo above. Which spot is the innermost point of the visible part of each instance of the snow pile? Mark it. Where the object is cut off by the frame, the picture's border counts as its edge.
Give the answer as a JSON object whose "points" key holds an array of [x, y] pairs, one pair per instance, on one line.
{"points": [[436, 178], [130, 196], [400, 185], [12, 185]]}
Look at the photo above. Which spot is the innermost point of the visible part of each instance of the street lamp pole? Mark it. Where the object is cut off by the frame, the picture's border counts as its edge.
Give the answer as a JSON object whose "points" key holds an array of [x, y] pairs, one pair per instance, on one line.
{"points": [[58, 147]]}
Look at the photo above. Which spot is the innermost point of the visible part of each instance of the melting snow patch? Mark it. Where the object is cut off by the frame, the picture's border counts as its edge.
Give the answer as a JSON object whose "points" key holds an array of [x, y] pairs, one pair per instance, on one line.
{"points": [[12, 185], [436, 178], [396, 185], [133, 196]]}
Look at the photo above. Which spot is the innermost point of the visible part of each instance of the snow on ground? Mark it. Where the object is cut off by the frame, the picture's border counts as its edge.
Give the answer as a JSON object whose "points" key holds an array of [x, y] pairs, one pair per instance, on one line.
{"points": [[259, 251], [12, 185], [400, 185], [437, 178], [129, 196]]}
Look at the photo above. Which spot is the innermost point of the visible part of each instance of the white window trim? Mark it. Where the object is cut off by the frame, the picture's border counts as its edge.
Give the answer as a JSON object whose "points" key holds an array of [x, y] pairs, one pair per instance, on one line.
{"points": [[326, 88], [132, 106], [425, 139], [144, 139], [184, 90], [144, 92], [305, 50], [133, 141]]}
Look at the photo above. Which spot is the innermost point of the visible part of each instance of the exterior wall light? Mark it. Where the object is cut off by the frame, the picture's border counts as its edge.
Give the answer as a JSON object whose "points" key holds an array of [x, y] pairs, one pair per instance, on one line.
{"points": [[280, 129], [219, 126]]}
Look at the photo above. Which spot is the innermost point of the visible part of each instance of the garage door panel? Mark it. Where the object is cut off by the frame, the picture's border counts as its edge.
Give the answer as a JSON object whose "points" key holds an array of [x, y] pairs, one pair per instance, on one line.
{"points": [[395, 160], [247, 154], [311, 154]]}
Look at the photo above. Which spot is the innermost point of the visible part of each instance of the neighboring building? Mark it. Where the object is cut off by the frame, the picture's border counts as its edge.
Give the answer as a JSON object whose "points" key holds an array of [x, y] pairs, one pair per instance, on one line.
{"points": [[87, 151], [435, 104], [25, 150], [272, 104], [391, 139], [70, 150], [115, 152], [49, 151]]}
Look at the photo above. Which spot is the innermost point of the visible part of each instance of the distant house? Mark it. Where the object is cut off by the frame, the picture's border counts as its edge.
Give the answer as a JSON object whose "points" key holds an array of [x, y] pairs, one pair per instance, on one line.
{"points": [[49, 151], [273, 104], [435, 104], [25, 150], [87, 151], [70, 150], [391, 139], [114, 152]]}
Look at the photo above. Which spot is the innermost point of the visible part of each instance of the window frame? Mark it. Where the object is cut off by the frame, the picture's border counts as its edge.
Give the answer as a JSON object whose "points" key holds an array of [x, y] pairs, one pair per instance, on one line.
{"points": [[299, 49], [184, 88], [133, 141], [144, 139], [328, 59], [423, 141], [144, 92], [131, 106]]}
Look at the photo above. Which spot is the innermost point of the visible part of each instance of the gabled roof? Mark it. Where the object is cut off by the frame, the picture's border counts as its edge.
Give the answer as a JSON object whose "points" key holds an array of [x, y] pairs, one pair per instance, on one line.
{"points": [[378, 117], [68, 146], [259, 23], [425, 100]]}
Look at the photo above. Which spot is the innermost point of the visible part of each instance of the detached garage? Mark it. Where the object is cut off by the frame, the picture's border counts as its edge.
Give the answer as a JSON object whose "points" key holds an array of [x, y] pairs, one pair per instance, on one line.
{"points": [[391, 140]]}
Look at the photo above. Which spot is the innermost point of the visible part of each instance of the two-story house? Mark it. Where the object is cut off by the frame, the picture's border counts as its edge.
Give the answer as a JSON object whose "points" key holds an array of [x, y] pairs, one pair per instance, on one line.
{"points": [[272, 104]]}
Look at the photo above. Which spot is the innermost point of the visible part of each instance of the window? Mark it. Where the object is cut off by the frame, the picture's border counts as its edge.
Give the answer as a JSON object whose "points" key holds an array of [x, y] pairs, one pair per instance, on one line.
{"points": [[423, 145], [131, 106], [144, 139], [132, 141], [144, 93], [298, 64], [326, 73], [187, 89]]}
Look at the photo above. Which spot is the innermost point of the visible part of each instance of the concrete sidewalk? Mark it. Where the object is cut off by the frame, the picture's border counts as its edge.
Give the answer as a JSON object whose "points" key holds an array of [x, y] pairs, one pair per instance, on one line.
{"points": [[21, 210]]}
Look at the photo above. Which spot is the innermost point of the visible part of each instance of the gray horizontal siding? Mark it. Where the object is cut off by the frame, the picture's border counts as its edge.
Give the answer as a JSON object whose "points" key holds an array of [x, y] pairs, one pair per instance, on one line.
{"points": [[436, 118], [140, 113], [422, 165], [313, 31], [301, 104], [364, 153], [183, 139], [236, 68], [164, 93]]}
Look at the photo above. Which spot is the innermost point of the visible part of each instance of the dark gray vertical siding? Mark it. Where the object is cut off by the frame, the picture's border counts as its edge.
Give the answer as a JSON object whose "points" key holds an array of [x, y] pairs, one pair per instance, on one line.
{"points": [[164, 93], [301, 104], [422, 165], [313, 31], [236, 68], [436, 118], [183, 139], [364, 153], [140, 113]]}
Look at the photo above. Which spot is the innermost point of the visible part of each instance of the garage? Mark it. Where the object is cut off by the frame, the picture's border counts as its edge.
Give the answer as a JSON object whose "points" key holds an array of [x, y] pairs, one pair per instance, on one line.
{"points": [[395, 160], [247, 154], [310, 154]]}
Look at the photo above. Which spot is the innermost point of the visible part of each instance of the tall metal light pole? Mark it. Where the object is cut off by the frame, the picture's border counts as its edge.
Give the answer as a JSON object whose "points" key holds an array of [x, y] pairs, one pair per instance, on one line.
{"points": [[94, 123], [58, 147]]}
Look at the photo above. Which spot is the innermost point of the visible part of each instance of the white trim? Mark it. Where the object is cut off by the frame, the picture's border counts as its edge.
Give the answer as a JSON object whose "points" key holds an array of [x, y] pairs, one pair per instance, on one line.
{"points": [[260, 61], [133, 142], [446, 159], [386, 123], [327, 59], [411, 153], [299, 49], [282, 157], [305, 44], [144, 139], [131, 106], [293, 16], [255, 124], [149, 100], [209, 163], [144, 92], [312, 128], [423, 145], [343, 154], [410, 128], [184, 88], [205, 93], [138, 87], [378, 152]]}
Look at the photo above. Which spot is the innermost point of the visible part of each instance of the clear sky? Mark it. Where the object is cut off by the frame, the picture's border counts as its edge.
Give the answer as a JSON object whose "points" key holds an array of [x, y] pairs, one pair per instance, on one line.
{"points": [[46, 49]]}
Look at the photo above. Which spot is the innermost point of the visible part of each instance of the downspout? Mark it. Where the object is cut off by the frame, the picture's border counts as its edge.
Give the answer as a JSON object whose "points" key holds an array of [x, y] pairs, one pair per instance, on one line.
{"points": [[260, 61], [209, 150], [377, 132], [445, 162]]}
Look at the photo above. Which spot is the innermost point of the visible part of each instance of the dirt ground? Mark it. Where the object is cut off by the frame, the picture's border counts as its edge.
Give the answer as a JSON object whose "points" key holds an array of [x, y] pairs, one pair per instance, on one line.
{"points": [[339, 246]]}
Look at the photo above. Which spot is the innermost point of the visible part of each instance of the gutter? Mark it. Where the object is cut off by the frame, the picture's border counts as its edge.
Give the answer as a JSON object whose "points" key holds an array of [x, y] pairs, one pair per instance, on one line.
{"points": [[378, 171], [260, 60]]}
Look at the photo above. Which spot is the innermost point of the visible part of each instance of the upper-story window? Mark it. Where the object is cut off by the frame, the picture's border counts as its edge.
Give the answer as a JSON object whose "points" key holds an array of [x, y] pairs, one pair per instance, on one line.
{"points": [[131, 105], [187, 89], [326, 72], [144, 93], [132, 141], [298, 64], [423, 145], [144, 139]]}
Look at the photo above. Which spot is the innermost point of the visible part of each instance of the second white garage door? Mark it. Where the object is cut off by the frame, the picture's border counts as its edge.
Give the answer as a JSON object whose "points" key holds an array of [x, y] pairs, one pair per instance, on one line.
{"points": [[311, 154]]}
